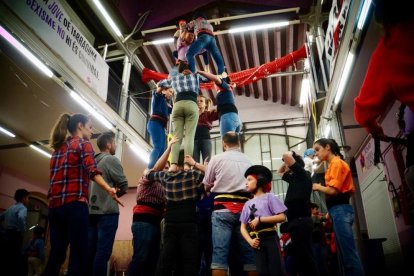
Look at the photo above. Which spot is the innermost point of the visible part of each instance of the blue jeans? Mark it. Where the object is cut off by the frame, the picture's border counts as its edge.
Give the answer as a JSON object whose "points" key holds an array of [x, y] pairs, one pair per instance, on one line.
{"points": [[342, 218], [68, 225], [208, 42], [229, 122], [102, 230], [224, 226], [146, 242], [159, 141], [202, 148]]}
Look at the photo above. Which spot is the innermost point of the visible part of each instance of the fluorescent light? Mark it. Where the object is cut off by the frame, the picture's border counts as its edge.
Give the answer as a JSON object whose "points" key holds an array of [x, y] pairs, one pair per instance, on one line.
{"points": [[91, 110], [162, 41], [107, 17], [144, 155], [327, 130], [16, 44], [304, 91], [39, 150], [8, 133], [344, 78], [363, 14], [259, 27]]}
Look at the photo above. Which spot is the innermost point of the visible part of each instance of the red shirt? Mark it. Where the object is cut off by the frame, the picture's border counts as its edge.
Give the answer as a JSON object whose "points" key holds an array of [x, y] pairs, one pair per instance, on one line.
{"points": [[207, 118], [390, 77], [71, 168]]}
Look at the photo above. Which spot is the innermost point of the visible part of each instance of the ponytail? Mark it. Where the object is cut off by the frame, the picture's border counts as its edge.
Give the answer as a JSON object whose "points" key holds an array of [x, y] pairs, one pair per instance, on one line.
{"points": [[65, 124], [59, 131], [333, 144]]}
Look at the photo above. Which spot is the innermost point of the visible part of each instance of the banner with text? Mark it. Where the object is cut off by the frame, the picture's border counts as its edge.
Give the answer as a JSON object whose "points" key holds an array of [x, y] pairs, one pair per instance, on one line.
{"points": [[335, 30], [51, 23]]}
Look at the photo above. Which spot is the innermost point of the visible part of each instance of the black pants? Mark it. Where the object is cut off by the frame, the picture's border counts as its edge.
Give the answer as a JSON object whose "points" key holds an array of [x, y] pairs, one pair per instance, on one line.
{"points": [[11, 253], [180, 250], [300, 231], [268, 256]]}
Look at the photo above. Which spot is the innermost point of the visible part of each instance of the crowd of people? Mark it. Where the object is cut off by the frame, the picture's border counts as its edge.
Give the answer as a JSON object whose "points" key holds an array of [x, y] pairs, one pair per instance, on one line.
{"points": [[195, 213]]}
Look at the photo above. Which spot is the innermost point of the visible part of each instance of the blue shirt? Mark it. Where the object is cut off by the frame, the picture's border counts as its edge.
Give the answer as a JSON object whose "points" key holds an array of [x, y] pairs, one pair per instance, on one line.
{"points": [[160, 105], [185, 83], [226, 96], [15, 217]]}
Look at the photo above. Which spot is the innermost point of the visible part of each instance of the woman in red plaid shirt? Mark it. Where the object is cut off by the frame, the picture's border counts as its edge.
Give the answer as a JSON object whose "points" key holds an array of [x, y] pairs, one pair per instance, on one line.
{"points": [[72, 166]]}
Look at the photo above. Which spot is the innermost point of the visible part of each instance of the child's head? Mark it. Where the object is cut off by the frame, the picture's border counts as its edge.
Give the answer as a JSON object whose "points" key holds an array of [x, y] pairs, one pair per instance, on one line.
{"points": [[203, 103], [21, 195], [314, 208], [258, 178]]}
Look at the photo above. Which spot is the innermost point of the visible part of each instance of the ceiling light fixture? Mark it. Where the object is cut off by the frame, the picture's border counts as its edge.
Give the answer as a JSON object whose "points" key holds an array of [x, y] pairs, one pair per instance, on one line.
{"points": [[107, 18], [7, 132], [327, 130], [159, 41], [91, 110], [344, 78], [139, 151], [41, 151], [259, 27], [22, 49], [363, 14], [304, 91]]}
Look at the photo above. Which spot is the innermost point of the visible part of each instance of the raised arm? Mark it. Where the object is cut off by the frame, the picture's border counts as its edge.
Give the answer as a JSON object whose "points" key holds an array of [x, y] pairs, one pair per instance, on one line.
{"points": [[211, 77], [160, 164]]}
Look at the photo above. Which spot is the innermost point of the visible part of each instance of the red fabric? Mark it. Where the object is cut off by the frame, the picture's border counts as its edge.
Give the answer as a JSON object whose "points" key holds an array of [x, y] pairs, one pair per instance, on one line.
{"points": [[72, 167], [390, 77], [234, 207], [143, 209], [244, 77]]}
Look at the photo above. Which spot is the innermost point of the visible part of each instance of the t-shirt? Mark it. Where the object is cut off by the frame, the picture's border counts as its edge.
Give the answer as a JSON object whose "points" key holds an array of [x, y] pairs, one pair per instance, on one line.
{"points": [[262, 206], [339, 176]]}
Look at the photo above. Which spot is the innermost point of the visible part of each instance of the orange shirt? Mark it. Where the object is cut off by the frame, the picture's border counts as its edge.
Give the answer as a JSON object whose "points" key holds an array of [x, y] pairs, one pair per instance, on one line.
{"points": [[339, 176]]}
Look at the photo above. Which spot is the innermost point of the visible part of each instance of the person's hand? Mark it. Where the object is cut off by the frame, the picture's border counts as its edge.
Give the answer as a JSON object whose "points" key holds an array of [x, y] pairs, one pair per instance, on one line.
{"points": [[112, 193], [255, 243], [146, 171], [189, 160], [173, 140], [316, 186], [159, 89], [253, 224], [206, 161]]}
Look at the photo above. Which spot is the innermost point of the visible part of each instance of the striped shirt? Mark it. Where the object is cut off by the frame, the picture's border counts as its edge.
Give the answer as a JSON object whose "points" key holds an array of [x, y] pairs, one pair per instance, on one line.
{"points": [[72, 167], [185, 83], [200, 25], [180, 185], [151, 192]]}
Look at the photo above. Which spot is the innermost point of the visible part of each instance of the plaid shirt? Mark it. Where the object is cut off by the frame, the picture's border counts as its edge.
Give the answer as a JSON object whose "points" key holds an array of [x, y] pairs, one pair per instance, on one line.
{"points": [[179, 185], [71, 168], [185, 83]]}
